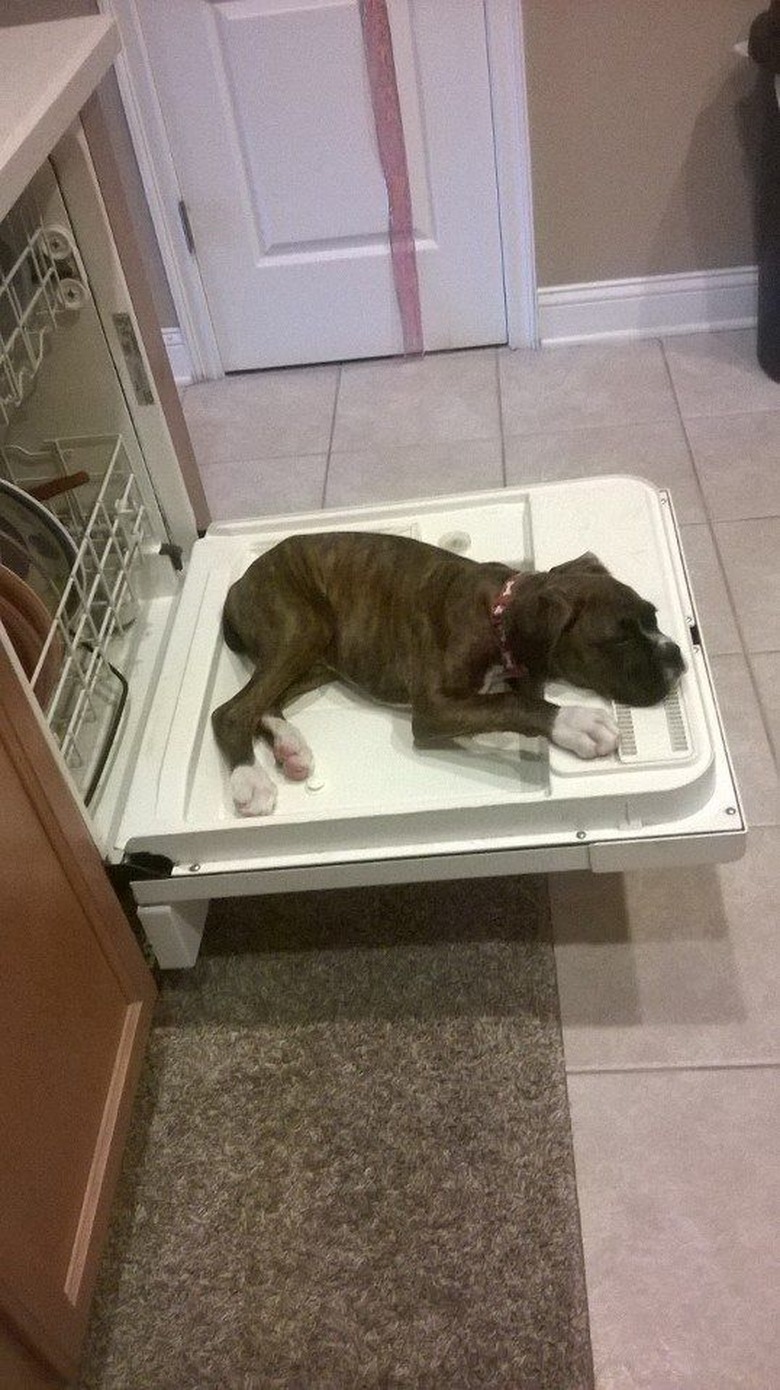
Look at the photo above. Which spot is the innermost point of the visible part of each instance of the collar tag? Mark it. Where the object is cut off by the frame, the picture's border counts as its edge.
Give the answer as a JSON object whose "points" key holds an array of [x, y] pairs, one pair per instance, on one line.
{"points": [[497, 613]]}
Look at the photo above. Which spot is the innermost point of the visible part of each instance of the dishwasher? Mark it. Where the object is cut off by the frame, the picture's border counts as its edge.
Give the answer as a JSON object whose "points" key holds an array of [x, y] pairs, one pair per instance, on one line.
{"points": [[127, 597]]}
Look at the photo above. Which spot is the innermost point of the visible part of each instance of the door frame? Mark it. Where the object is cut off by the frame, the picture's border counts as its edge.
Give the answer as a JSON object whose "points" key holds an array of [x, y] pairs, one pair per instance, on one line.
{"points": [[509, 100]]}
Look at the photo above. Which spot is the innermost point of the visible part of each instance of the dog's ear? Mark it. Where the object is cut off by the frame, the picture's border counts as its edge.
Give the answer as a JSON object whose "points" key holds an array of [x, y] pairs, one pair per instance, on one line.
{"points": [[556, 612], [536, 621], [584, 564]]}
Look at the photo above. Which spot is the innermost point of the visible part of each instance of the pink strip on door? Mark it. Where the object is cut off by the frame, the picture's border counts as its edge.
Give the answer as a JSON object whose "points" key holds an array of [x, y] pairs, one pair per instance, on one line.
{"points": [[380, 63]]}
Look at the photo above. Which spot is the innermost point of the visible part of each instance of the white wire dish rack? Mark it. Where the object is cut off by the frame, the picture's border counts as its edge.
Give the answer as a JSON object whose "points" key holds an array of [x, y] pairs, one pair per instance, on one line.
{"points": [[99, 601], [98, 525], [38, 285]]}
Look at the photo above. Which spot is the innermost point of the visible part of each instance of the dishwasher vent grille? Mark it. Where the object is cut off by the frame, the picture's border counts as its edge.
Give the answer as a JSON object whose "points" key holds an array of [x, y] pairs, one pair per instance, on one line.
{"points": [[659, 734]]}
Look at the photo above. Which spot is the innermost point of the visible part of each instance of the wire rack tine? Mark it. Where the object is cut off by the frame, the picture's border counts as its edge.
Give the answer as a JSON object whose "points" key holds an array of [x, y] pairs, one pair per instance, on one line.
{"points": [[98, 603]]}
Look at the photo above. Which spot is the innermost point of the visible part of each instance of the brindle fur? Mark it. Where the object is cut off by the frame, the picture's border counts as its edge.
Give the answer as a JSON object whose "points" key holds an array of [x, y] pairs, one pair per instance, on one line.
{"points": [[409, 623]]}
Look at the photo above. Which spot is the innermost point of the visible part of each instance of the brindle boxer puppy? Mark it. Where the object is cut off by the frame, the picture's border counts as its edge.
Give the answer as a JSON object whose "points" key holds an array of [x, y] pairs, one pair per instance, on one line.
{"points": [[409, 623]]}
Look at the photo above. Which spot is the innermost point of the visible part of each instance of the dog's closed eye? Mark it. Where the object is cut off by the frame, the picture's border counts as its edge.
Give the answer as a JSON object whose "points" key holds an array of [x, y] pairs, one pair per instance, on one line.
{"points": [[626, 633]]}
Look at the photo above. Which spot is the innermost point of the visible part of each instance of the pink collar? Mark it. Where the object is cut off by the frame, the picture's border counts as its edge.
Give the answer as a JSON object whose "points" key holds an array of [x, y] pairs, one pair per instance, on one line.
{"points": [[497, 612]]}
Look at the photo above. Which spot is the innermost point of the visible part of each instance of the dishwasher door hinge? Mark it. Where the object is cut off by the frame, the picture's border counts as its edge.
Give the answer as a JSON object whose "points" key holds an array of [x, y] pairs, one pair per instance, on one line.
{"points": [[186, 226], [141, 864], [174, 554], [135, 866]]}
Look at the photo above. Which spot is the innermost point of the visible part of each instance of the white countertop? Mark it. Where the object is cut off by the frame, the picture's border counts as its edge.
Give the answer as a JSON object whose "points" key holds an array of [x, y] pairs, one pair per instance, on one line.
{"points": [[47, 72]]}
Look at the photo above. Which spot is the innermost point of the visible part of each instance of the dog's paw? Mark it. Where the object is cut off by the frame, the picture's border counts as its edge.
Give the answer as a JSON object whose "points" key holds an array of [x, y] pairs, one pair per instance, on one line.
{"points": [[590, 733], [254, 794], [291, 751]]}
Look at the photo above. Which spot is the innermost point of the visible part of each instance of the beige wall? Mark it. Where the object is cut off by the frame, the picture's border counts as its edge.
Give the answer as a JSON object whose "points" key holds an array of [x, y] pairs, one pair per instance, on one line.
{"points": [[636, 113]]}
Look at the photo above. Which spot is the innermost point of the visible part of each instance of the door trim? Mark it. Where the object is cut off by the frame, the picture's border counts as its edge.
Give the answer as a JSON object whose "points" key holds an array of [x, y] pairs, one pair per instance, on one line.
{"points": [[506, 65], [512, 141], [158, 175]]}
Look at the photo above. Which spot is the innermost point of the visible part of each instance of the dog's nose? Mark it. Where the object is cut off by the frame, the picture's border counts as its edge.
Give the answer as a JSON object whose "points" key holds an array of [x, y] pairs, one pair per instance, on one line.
{"points": [[672, 660]]}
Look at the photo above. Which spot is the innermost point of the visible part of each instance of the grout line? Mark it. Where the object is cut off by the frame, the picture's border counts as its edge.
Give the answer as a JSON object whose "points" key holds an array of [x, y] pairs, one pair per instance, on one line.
{"points": [[331, 435], [740, 649], [737, 520], [634, 1068], [500, 418], [711, 524], [209, 466], [746, 654], [774, 747], [681, 419]]}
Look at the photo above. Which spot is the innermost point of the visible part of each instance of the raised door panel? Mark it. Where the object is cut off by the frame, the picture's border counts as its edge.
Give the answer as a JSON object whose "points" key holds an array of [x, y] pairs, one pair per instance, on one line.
{"points": [[75, 1006], [269, 115], [305, 155]]}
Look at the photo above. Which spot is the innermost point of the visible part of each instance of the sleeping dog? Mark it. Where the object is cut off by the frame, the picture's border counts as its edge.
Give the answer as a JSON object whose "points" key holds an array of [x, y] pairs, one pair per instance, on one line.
{"points": [[467, 646]]}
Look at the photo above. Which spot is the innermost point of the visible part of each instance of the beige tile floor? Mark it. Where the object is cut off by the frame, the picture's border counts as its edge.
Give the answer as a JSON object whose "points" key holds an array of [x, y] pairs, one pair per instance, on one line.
{"points": [[669, 982]]}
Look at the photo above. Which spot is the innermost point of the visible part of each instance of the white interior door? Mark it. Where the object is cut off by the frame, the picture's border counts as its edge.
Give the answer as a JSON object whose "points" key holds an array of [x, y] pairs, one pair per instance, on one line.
{"points": [[268, 113]]}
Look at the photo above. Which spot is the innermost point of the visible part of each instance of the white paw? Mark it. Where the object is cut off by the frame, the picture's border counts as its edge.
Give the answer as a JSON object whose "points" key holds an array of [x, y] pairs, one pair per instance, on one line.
{"points": [[254, 794], [291, 751], [590, 733]]}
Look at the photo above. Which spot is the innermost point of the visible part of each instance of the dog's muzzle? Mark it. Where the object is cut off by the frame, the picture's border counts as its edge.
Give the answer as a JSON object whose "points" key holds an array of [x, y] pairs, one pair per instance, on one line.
{"points": [[672, 661], [651, 676], [669, 664]]}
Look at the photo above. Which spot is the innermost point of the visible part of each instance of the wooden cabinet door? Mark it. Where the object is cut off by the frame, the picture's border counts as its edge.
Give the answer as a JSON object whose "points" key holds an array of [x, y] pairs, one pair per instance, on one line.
{"points": [[76, 1000]]}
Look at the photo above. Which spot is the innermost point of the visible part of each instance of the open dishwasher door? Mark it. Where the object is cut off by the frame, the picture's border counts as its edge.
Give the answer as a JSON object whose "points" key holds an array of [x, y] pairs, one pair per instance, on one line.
{"points": [[380, 810]]}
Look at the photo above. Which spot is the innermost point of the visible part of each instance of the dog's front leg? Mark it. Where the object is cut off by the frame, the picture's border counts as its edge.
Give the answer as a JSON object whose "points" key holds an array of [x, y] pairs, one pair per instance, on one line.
{"points": [[585, 731], [588, 732], [437, 715], [257, 709]]}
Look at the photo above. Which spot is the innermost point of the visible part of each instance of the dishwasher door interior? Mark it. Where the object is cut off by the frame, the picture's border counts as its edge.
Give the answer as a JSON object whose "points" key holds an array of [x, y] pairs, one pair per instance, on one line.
{"points": [[379, 810]]}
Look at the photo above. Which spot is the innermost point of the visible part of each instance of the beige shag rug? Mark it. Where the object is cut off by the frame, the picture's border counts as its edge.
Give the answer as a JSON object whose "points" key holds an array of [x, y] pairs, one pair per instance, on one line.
{"points": [[351, 1160]]}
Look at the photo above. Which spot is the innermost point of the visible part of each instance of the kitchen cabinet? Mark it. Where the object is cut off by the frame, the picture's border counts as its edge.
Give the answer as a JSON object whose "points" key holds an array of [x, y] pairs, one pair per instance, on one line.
{"points": [[76, 1000]]}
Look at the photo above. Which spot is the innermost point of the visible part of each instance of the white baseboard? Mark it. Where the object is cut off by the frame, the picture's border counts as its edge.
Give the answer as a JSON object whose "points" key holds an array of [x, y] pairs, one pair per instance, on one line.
{"points": [[178, 356], [650, 306], [610, 309]]}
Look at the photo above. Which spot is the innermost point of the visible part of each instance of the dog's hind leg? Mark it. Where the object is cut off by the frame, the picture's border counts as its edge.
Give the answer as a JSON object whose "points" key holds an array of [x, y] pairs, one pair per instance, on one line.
{"points": [[290, 749], [240, 719], [235, 724]]}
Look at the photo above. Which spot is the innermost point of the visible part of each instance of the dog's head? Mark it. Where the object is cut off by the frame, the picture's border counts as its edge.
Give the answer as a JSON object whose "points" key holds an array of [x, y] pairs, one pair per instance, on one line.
{"points": [[577, 623]]}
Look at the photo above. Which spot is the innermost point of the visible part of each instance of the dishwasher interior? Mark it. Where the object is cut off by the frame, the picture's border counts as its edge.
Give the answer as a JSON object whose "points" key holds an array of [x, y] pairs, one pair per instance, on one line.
{"points": [[81, 524]]}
